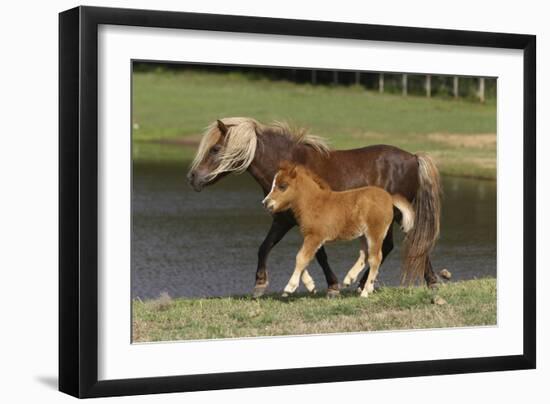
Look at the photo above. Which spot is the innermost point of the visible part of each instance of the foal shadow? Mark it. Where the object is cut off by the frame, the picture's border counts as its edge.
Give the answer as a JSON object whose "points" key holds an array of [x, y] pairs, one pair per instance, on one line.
{"points": [[344, 293], [277, 296]]}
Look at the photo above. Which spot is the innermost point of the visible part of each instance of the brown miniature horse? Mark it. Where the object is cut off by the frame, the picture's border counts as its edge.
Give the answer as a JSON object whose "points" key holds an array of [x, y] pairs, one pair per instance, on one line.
{"points": [[243, 144], [325, 215]]}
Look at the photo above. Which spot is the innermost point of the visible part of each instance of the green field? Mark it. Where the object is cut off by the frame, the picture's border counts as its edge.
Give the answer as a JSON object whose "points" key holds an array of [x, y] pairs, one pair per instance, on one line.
{"points": [[170, 110], [467, 303]]}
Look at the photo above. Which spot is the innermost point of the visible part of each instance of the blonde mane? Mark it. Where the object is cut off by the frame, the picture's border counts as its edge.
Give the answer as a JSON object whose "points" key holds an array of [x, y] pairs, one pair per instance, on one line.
{"points": [[241, 142]]}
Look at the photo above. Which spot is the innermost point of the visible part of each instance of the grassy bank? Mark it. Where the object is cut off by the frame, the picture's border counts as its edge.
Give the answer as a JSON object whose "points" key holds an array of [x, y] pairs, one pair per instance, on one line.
{"points": [[468, 303], [171, 109]]}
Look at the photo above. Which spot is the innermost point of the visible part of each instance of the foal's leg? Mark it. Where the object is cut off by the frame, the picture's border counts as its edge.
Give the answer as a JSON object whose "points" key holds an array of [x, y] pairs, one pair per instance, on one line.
{"points": [[354, 272], [387, 247], [308, 281], [375, 259], [429, 275], [278, 229], [332, 280], [304, 257]]}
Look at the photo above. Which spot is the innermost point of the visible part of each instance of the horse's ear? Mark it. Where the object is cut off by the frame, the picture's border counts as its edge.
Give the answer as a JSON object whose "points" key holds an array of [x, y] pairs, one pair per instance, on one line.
{"points": [[285, 165], [288, 168], [222, 128], [292, 171]]}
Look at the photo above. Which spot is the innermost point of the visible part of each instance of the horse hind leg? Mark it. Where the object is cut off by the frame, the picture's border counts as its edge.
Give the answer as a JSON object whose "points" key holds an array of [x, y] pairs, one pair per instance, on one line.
{"points": [[359, 265], [429, 276]]}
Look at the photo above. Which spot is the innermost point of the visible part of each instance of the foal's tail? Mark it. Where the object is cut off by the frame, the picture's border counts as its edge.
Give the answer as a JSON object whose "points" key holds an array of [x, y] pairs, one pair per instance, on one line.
{"points": [[427, 204], [406, 210]]}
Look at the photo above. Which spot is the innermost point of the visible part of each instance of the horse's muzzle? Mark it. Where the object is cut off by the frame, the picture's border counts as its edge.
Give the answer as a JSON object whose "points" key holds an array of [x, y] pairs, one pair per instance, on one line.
{"points": [[195, 182]]}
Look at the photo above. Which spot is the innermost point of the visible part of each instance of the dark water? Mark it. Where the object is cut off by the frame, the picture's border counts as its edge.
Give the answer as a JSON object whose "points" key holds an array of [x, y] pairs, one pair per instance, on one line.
{"points": [[205, 244]]}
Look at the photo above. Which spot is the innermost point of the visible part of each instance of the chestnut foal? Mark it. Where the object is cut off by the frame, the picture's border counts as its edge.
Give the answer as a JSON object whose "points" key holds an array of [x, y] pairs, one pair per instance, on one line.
{"points": [[325, 215]]}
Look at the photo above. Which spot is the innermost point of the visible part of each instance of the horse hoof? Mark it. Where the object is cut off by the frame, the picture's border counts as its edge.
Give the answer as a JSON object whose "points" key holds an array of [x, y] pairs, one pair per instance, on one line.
{"points": [[333, 293], [259, 291], [433, 285], [285, 295], [313, 292]]}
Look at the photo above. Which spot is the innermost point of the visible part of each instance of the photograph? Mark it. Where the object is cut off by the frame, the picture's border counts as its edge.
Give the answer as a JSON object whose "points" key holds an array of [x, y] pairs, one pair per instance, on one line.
{"points": [[271, 201]]}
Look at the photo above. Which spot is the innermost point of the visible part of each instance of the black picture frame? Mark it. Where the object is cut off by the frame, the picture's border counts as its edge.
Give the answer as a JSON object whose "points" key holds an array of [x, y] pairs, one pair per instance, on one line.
{"points": [[78, 201]]}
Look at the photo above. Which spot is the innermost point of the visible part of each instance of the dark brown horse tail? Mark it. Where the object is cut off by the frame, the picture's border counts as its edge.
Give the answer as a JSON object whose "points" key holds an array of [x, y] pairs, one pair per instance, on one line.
{"points": [[421, 240]]}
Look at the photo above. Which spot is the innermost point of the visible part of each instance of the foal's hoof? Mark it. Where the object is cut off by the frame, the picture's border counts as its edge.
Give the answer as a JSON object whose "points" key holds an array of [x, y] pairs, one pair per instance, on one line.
{"points": [[333, 293], [445, 274], [374, 289], [285, 295], [259, 291]]}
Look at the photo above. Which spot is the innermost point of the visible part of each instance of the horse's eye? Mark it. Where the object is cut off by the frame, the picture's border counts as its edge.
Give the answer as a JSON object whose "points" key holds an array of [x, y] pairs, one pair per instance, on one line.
{"points": [[215, 150], [282, 186]]}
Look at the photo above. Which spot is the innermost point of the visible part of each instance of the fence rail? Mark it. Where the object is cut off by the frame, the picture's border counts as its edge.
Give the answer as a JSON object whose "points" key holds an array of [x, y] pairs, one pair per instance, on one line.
{"points": [[429, 85]]}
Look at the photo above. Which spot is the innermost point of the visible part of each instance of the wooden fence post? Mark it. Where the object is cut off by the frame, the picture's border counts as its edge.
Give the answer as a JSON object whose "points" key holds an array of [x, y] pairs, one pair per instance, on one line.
{"points": [[404, 84], [428, 85], [357, 78], [481, 92], [381, 82], [455, 86], [335, 78], [314, 77]]}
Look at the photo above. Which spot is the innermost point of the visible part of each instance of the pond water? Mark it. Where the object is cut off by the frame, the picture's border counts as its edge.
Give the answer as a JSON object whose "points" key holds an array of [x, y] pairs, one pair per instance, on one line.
{"points": [[205, 244]]}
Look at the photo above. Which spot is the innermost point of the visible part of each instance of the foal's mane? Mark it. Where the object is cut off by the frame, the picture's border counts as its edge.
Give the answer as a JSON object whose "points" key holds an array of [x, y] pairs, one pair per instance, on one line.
{"points": [[318, 180], [287, 167], [241, 142]]}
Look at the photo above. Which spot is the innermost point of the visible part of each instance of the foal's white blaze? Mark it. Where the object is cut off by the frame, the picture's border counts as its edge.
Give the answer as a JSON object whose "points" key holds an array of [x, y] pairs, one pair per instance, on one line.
{"points": [[272, 188]]}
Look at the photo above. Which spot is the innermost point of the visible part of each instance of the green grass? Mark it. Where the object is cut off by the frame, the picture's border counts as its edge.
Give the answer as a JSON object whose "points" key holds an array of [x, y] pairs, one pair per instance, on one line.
{"points": [[468, 303], [170, 110]]}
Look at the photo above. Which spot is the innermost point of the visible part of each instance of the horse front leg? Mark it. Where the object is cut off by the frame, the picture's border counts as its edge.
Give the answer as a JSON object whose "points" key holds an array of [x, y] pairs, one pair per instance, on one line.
{"points": [[332, 281], [276, 232]]}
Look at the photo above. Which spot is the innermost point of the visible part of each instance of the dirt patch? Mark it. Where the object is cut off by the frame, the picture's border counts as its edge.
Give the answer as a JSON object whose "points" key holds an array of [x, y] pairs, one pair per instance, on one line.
{"points": [[480, 141], [443, 158], [484, 162], [477, 141]]}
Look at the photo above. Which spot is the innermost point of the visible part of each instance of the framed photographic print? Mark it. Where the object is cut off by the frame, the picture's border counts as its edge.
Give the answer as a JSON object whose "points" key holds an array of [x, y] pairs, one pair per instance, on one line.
{"points": [[251, 201]]}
